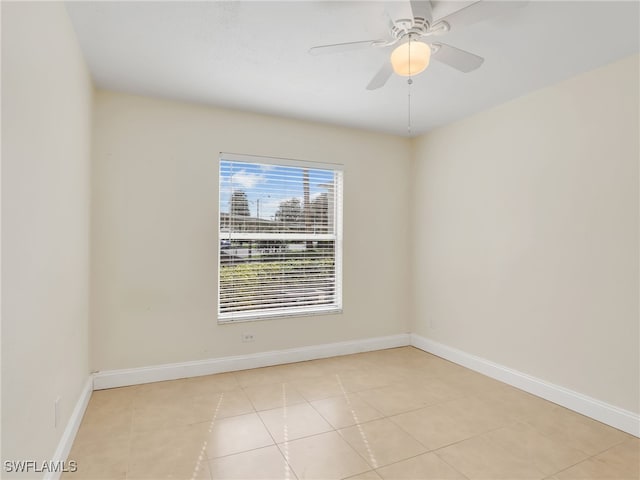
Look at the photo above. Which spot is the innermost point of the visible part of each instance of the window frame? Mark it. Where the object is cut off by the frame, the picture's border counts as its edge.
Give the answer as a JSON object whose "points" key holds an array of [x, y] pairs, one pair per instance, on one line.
{"points": [[337, 237]]}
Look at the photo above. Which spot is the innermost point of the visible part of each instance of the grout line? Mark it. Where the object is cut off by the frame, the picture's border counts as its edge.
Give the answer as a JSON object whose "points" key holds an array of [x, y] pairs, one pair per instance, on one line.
{"points": [[432, 452], [452, 466], [589, 457], [373, 463], [289, 468], [203, 449], [252, 449]]}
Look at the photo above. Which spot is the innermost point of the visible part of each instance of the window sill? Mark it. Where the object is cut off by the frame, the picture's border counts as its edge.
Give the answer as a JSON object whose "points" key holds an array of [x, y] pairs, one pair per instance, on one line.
{"points": [[254, 317]]}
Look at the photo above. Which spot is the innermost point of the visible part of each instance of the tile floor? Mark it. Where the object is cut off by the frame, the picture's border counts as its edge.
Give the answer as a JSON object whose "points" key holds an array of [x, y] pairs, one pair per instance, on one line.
{"points": [[390, 414]]}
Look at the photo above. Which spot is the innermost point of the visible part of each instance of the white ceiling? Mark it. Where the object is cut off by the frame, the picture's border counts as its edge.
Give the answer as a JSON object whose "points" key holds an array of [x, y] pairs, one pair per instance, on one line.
{"points": [[254, 56]]}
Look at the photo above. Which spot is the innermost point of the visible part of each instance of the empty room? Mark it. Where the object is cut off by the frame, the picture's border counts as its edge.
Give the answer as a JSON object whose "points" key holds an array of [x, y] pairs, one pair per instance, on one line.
{"points": [[320, 240]]}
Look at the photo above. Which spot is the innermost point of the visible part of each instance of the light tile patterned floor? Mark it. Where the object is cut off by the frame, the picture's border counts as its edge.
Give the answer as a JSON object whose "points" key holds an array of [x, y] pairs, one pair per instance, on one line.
{"points": [[390, 414]]}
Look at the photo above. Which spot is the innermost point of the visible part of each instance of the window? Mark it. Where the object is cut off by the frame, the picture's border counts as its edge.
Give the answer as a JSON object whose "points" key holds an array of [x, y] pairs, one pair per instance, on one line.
{"points": [[280, 230]]}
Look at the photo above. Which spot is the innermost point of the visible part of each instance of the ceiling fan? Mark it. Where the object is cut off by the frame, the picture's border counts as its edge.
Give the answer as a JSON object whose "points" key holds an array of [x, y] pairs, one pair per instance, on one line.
{"points": [[418, 40]]}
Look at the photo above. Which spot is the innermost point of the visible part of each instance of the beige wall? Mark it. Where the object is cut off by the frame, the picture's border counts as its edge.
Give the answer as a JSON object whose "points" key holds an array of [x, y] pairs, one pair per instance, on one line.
{"points": [[154, 231], [526, 239], [46, 117]]}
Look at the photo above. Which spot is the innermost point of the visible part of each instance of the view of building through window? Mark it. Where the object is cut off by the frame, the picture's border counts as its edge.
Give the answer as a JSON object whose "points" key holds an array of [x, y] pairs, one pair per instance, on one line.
{"points": [[280, 238]]}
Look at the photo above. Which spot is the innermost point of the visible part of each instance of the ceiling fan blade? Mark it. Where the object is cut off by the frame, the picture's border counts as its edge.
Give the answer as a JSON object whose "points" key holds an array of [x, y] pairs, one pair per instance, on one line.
{"points": [[478, 11], [422, 9], [456, 58], [343, 47], [381, 77], [397, 10]]}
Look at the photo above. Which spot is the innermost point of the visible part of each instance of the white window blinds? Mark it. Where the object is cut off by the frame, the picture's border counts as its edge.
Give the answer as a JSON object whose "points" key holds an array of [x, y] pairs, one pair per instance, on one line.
{"points": [[280, 230]]}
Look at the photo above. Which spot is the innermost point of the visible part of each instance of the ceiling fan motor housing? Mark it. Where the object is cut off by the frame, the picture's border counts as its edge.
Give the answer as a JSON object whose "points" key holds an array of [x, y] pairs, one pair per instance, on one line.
{"points": [[416, 26]]}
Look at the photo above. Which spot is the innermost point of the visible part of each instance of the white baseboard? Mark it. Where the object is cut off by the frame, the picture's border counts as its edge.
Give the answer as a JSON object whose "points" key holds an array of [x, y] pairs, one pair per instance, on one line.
{"points": [[603, 412], [157, 373], [68, 436], [609, 414]]}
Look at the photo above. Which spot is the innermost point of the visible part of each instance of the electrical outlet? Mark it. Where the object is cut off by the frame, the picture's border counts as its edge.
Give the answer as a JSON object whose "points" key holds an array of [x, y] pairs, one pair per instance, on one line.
{"points": [[248, 337]]}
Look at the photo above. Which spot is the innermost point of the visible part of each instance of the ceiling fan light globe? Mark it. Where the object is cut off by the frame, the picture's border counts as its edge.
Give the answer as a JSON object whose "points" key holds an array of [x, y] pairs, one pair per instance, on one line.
{"points": [[410, 58]]}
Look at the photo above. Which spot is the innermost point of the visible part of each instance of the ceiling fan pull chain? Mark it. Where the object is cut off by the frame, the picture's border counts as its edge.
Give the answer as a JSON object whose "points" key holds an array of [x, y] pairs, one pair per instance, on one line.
{"points": [[409, 82]]}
